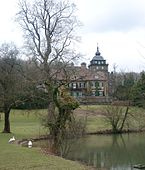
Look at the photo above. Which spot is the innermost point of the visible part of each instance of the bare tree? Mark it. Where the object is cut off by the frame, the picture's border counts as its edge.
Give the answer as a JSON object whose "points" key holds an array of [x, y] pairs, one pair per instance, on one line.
{"points": [[49, 30], [116, 115], [50, 35]]}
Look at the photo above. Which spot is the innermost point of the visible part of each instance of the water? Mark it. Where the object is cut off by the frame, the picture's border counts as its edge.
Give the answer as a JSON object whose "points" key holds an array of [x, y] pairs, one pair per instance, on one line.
{"points": [[110, 152]]}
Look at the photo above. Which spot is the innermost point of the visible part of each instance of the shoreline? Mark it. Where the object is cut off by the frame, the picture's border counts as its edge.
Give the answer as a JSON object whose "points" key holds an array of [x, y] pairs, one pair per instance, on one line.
{"points": [[110, 132], [22, 142]]}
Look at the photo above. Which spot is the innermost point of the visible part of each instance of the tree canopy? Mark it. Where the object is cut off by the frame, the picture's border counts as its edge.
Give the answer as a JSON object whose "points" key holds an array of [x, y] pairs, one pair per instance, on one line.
{"points": [[10, 80]]}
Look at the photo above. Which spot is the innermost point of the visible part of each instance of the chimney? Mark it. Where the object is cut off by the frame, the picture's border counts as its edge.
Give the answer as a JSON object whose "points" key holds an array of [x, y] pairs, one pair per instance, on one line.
{"points": [[83, 65]]}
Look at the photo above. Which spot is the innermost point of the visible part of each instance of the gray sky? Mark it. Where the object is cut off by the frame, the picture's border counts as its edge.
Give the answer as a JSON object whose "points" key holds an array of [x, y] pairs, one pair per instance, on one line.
{"points": [[118, 26]]}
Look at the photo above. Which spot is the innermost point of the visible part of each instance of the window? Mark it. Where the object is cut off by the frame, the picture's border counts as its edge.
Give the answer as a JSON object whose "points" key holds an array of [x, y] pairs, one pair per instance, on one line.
{"points": [[100, 93], [77, 94], [80, 94], [74, 85], [74, 94], [81, 84], [70, 85], [93, 93], [93, 84], [100, 84]]}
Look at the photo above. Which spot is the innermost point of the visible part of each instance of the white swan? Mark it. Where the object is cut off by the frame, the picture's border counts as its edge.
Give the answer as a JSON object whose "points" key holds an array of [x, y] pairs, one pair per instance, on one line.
{"points": [[12, 139], [29, 144]]}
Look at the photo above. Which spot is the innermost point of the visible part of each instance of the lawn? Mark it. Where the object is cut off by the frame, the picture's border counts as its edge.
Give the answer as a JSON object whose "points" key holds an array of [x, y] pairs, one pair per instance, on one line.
{"points": [[15, 157], [96, 121], [94, 117], [27, 124]]}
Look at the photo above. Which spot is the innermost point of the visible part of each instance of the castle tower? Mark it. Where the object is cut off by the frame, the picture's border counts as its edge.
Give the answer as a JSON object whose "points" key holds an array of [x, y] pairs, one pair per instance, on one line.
{"points": [[99, 68], [98, 63]]}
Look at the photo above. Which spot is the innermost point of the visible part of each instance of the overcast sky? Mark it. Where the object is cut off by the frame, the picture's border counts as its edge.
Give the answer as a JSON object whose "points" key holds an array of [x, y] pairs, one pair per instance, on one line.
{"points": [[118, 26]]}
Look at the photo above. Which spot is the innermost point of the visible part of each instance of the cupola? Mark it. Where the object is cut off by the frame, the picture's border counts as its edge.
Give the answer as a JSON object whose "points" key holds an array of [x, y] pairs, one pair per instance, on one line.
{"points": [[98, 62], [97, 57]]}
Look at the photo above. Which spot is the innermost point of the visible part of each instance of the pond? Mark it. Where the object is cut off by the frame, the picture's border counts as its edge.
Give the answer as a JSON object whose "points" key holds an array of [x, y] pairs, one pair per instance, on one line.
{"points": [[110, 152]]}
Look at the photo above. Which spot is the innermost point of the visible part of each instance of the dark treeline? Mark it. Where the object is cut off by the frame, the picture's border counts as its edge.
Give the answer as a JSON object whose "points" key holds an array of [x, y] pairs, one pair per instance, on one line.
{"points": [[20, 86], [22, 77], [128, 86], [19, 81]]}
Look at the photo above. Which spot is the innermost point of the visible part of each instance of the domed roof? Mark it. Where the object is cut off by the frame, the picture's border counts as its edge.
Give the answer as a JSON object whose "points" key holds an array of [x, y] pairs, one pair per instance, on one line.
{"points": [[98, 58], [98, 55]]}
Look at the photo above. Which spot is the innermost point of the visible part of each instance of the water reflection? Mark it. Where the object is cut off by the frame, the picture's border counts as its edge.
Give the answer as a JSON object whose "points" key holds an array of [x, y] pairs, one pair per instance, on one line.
{"points": [[110, 152]]}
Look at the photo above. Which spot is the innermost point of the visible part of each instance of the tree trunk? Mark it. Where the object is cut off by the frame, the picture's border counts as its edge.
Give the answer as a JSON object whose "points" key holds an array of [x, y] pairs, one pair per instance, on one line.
{"points": [[7, 121], [124, 119], [51, 111]]}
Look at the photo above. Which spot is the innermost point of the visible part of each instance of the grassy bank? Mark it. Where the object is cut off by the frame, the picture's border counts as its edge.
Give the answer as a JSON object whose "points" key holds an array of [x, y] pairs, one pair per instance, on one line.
{"points": [[15, 157], [96, 121], [26, 124]]}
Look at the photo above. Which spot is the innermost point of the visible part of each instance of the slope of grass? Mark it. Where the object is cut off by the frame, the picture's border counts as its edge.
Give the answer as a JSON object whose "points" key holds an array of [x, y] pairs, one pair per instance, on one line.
{"points": [[96, 121], [26, 124], [16, 157]]}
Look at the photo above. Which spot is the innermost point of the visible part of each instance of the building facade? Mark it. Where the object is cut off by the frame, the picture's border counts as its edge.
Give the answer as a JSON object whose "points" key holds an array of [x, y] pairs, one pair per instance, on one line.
{"points": [[91, 84]]}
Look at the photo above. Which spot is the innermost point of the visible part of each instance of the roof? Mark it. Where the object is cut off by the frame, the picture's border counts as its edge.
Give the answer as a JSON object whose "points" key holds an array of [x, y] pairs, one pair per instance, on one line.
{"points": [[98, 57], [76, 73]]}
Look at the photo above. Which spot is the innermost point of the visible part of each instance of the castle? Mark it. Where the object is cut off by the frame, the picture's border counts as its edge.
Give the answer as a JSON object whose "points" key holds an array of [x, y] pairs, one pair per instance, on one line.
{"points": [[91, 84]]}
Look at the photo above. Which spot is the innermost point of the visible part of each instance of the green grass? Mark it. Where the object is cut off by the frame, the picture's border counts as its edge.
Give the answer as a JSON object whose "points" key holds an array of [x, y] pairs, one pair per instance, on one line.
{"points": [[92, 107], [26, 124], [95, 122], [15, 157]]}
